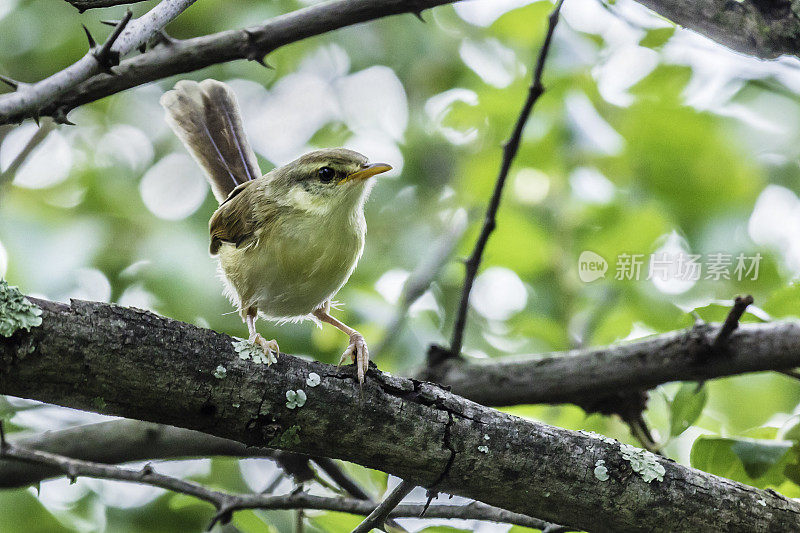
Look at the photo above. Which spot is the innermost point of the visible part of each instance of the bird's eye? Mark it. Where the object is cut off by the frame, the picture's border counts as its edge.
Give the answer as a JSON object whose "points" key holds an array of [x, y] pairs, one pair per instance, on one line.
{"points": [[326, 174]]}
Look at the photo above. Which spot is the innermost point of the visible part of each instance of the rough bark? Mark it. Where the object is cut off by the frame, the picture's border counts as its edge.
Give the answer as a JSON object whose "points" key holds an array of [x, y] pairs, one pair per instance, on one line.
{"points": [[764, 29], [138, 365], [29, 99], [587, 374], [180, 56]]}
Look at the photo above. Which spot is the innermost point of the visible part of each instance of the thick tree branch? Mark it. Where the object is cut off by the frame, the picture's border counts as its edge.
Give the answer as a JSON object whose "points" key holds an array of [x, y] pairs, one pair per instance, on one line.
{"points": [[30, 99], [587, 374], [151, 368], [763, 28]]}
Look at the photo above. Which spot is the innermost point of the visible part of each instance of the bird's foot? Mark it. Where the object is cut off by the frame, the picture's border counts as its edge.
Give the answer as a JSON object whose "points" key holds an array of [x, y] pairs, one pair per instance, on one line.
{"points": [[358, 352], [270, 348]]}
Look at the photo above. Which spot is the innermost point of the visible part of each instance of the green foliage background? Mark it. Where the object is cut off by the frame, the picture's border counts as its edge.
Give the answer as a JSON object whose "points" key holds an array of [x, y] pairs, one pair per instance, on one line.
{"points": [[646, 138]]}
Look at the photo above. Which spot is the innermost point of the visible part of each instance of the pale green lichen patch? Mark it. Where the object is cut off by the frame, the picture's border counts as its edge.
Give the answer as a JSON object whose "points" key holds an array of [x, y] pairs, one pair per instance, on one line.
{"points": [[248, 350], [16, 311], [598, 436], [220, 372], [483, 449], [600, 471], [643, 462], [295, 398], [486, 436], [313, 380]]}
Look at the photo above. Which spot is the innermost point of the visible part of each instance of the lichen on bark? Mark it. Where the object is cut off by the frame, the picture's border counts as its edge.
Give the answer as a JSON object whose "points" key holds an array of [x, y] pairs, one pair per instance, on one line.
{"points": [[16, 311]]}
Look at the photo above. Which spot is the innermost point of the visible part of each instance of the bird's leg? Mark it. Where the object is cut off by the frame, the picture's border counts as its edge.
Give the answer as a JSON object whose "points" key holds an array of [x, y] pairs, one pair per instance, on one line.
{"points": [[357, 350], [257, 339]]}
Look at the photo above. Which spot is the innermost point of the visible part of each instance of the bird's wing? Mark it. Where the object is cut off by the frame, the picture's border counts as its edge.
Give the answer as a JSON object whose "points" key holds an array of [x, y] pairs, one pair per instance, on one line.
{"points": [[237, 220], [206, 117]]}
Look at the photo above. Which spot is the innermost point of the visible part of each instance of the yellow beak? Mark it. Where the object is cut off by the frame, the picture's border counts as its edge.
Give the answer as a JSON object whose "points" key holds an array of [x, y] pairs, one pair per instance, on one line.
{"points": [[367, 172]]}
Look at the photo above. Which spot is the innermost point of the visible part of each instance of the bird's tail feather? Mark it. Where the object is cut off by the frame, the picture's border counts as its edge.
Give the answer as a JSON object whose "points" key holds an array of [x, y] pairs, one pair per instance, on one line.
{"points": [[206, 117]]}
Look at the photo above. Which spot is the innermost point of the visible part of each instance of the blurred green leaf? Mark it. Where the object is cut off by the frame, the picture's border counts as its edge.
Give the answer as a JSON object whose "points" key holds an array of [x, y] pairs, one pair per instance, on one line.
{"points": [[686, 407], [756, 462], [656, 38]]}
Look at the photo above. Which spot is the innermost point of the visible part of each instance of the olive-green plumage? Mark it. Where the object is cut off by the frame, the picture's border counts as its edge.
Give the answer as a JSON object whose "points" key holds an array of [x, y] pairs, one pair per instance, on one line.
{"points": [[286, 241]]}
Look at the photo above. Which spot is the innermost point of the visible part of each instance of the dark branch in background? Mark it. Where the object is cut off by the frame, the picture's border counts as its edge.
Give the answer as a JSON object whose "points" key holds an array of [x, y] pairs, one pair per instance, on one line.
{"points": [[377, 517], [29, 100], [227, 503], [151, 368], [118, 441], [122, 441], [584, 375], [510, 149], [83, 5]]}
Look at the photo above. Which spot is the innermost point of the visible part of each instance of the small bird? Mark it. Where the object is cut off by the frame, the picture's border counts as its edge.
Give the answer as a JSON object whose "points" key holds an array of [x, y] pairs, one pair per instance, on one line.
{"points": [[286, 241]]}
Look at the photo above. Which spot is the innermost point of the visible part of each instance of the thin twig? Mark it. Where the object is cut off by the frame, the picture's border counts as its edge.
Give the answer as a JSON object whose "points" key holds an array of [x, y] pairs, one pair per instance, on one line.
{"points": [[40, 135], [348, 484], [340, 477], [641, 432], [377, 517], [509, 152], [732, 321], [421, 278], [228, 503]]}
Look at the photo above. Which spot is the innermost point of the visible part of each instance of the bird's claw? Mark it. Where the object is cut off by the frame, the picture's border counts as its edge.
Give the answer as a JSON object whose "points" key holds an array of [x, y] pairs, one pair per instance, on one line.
{"points": [[358, 352], [269, 347]]}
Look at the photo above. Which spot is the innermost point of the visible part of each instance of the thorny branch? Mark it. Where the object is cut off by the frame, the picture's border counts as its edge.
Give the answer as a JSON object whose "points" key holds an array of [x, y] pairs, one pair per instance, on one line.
{"points": [[748, 26], [72, 87], [510, 149], [29, 100]]}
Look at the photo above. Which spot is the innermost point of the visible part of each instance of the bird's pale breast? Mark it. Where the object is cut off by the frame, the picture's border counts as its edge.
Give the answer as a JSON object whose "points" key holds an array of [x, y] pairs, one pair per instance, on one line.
{"points": [[295, 265]]}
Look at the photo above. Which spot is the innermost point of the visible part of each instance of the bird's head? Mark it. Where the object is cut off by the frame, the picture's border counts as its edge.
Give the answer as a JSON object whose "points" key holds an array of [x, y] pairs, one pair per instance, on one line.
{"points": [[324, 180]]}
